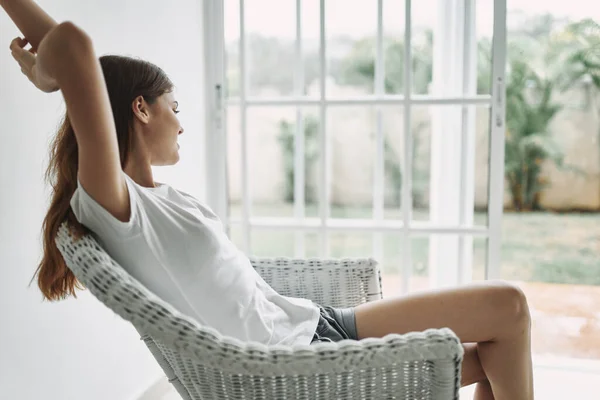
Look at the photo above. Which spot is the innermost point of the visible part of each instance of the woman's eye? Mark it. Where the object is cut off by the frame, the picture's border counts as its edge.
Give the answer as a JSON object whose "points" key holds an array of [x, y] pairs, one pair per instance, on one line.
{"points": [[176, 111]]}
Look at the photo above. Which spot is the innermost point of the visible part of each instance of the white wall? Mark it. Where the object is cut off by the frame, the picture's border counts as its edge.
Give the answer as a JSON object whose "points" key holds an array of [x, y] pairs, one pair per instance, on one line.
{"points": [[79, 349]]}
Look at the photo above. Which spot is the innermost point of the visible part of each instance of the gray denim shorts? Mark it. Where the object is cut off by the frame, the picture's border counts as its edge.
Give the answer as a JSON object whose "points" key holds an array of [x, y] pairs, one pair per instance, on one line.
{"points": [[335, 324]]}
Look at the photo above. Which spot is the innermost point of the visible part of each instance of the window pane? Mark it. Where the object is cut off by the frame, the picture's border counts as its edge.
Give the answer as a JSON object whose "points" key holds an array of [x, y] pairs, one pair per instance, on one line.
{"points": [[232, 47], [352, 47], [351, 136], [424, 16], [267, 242], [393, 45], [270, 47], [484, 28], [385, 248], [391, 262], [393, 152], [392, 275], [419, 279], [351, 32], [311, 46], [350, 245], [272, 243], [437, 175], [271, 148], [312, 245]]}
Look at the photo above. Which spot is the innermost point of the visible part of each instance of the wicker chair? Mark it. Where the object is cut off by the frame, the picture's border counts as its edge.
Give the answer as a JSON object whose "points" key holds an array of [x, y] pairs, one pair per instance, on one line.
{"points": [[203, 364]]}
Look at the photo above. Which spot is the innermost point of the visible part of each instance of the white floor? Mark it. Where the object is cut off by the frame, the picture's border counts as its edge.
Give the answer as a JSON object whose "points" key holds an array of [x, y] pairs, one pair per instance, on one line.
{"points": [[553, 384], [553, 378]]}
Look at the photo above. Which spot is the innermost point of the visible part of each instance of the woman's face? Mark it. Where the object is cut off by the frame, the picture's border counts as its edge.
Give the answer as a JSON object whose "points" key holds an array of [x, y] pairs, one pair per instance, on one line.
{"points": [[161, 130]]}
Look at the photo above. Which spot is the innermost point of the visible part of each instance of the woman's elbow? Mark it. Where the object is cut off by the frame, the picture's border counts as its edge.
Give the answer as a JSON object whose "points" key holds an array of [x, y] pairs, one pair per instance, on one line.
{"points": [[67, 37], [62, 48]]}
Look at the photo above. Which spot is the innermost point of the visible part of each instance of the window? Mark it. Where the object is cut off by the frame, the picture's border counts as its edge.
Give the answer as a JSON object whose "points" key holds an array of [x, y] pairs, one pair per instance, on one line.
{"points": [[366, 131]]}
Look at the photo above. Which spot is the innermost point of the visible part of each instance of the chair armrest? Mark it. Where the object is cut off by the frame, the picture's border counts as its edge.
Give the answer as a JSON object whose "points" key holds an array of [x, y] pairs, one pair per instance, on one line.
{"points": [[395, 366], [332, 282], [432, 357]]}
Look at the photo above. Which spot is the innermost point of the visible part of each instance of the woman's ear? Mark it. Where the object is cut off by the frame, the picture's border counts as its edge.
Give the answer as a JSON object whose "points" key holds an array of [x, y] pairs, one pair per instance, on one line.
{"points": [[141, 109]]}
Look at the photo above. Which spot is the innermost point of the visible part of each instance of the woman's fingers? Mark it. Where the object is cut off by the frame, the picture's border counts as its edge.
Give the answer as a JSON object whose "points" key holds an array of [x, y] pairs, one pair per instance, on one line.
{"points": [[26, 59], [27, 62], [18, 43], [18, 58], [16, 48]]}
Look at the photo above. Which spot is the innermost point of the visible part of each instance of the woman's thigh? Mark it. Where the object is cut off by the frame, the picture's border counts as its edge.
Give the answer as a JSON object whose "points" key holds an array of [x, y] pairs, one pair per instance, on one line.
{"points": [[475, 312]]}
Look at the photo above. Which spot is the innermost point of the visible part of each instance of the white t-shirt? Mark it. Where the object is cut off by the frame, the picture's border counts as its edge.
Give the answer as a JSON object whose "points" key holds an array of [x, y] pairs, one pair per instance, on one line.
{"points": [[178, 249]]}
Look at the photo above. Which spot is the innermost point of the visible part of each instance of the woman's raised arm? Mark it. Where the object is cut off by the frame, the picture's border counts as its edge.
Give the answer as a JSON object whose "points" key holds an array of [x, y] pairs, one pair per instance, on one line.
{"points": [[66, 54], [66, 58], [31, 20]]}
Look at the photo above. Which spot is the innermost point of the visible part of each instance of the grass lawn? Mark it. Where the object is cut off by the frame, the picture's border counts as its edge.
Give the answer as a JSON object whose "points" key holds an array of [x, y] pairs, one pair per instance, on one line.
{"points": [[536, 247]]}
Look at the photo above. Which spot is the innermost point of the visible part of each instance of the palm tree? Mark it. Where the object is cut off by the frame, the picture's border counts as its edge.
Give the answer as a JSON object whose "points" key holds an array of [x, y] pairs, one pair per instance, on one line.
{"points": [[529, 106], [529, 110], [580, 60]]}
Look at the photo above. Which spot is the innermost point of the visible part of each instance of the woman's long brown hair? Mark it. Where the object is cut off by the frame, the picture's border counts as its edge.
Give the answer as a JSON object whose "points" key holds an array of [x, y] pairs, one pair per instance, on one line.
{"points": [[126, 78]]}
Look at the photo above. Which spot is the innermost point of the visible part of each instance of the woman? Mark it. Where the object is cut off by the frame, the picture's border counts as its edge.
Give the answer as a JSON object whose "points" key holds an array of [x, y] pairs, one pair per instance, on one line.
{"points": [[121, 119]]}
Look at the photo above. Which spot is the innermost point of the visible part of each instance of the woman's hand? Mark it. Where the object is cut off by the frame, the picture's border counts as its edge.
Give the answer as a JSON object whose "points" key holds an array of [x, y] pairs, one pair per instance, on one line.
{"points": [[27, 60]]}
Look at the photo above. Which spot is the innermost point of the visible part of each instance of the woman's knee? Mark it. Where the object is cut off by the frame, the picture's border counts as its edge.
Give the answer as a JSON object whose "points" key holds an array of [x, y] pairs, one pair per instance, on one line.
{"points": [[512, 302]]}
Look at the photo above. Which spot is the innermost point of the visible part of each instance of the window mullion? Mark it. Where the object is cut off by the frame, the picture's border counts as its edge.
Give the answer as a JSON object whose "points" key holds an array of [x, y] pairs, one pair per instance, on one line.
{"points": [[368, 225], [324, 195], [497, 121], [407, 164], [368, 100], [467, 150], [216, 178], [379, 163], [246, 244], [299, 140]]}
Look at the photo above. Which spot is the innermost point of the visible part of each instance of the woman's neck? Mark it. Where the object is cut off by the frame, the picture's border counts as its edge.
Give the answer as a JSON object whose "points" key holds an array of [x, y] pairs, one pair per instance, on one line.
{"points": [[140, 171]]}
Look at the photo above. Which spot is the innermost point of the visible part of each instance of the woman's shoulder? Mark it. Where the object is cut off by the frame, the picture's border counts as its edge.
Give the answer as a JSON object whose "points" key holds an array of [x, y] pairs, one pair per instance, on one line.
{"points": [[181, 197]]}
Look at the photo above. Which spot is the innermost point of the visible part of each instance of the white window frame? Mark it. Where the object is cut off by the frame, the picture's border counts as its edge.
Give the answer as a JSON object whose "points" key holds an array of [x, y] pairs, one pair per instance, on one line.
{"points": [[216, 146]]}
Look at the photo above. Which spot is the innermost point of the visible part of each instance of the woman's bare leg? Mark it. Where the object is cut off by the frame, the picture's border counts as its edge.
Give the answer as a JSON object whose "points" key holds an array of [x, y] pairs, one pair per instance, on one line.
{"points": [[483, 391], [472, 372], [493, 314]]}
